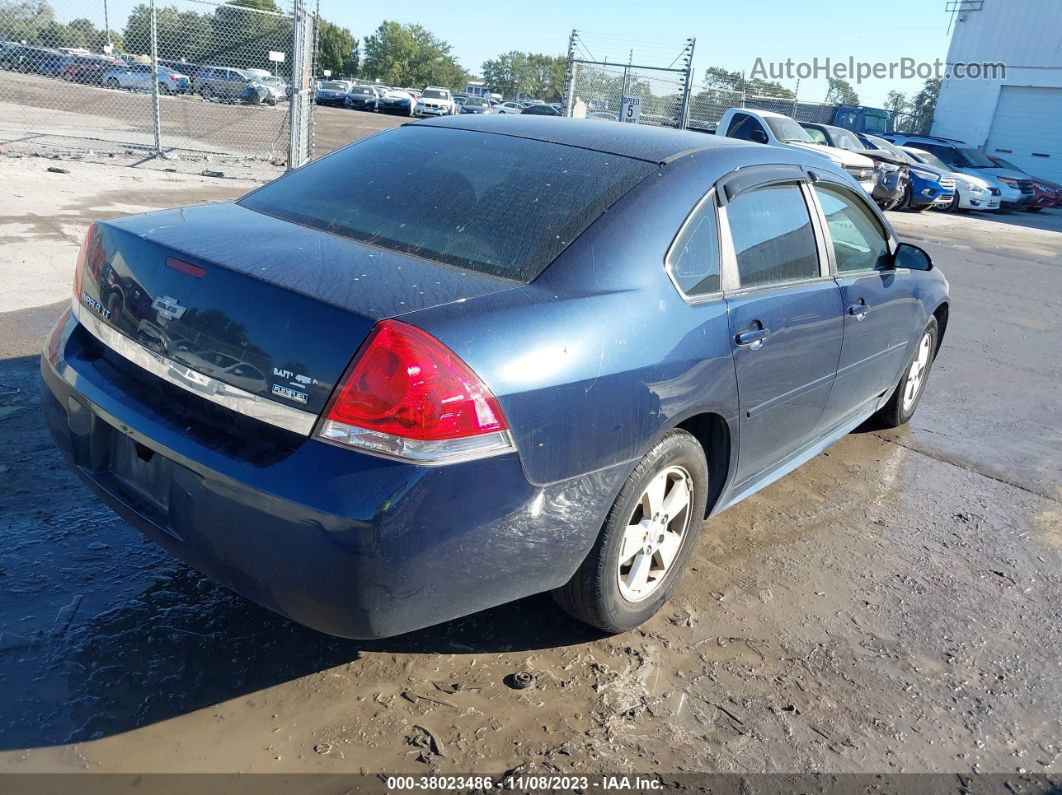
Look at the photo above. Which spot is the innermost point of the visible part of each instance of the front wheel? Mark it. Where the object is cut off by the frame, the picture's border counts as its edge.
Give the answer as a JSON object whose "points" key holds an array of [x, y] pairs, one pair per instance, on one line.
{"points": [[112, 82], [905, 398], [648, 537]]}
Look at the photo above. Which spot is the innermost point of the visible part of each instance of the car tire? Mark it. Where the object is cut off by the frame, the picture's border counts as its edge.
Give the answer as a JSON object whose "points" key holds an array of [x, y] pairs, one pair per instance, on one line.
{"points": [[112, 83], [952, 206], [1034, 209], [908, 393], [164, 89], [207, 93], [619, 586]]}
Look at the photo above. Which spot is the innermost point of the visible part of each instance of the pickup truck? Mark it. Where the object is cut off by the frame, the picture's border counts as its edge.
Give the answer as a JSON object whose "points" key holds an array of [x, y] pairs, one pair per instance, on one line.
{"points": [[777, 129]]}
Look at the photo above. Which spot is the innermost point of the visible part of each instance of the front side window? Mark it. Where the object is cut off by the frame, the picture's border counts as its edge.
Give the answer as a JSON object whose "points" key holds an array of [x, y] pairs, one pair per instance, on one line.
{"points": [[772, 235], [859, 242], [694, 258], [742, 126]]}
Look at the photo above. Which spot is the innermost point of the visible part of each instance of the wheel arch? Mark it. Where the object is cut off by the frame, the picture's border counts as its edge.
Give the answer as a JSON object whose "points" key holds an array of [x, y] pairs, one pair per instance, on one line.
{"points": [[941, 314], [713, 432]]}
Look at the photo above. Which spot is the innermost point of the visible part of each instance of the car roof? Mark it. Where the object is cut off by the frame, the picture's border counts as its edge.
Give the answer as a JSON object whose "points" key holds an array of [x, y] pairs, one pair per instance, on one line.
{"points": [[642, 141]]}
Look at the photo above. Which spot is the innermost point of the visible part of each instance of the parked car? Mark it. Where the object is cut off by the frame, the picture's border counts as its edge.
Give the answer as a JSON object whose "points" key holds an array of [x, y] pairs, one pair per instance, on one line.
{"points": [[220, 82], [488, 413], [1045, 192], [89, 69], [779, 130], [476, 105], [361, 98], [508, 107], [435, 101], [892, 176], [332, 92], [34, 60], [1016, 187], [927, 186], [141, 76], [971, 192], [397, 101], [541, 109]]}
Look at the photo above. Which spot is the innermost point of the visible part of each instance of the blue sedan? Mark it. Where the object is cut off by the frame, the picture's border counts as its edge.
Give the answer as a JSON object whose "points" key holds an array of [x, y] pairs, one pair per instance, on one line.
{"points": [[476, 358]]}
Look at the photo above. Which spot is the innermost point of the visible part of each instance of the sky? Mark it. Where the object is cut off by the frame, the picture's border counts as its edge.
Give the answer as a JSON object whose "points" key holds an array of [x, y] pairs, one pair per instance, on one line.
{"points": [[729, 33]]}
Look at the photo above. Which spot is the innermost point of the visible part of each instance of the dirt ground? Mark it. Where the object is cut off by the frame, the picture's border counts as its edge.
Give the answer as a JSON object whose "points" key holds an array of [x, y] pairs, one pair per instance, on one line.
{"points": [[893, 605], [49, 114]]}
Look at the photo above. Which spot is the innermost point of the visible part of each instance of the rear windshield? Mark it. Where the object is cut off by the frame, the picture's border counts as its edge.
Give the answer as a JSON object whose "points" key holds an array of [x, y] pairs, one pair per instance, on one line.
{"points": [[333, 86], [495, 204]]}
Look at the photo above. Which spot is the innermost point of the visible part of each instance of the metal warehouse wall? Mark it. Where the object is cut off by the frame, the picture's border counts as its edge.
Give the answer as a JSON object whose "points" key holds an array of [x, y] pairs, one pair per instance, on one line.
{"points": [[1024, 34]]}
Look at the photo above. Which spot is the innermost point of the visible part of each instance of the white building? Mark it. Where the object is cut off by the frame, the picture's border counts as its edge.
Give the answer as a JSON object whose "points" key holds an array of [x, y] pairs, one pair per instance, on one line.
{"points": [[1017, 117]]}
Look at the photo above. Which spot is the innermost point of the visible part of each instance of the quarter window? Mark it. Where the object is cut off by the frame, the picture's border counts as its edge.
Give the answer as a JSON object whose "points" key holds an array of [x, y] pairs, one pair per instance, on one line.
{"points": [[772, 235], [694, 259], [859, 243]]}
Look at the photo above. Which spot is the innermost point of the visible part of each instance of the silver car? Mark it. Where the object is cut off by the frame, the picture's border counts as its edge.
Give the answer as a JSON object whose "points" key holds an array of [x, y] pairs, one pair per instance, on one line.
{"points": [[138, 77]]}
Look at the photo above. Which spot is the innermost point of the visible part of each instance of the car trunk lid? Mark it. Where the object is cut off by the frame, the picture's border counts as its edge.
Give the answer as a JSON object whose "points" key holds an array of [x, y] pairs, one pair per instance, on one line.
{"points": [[270, 307]]}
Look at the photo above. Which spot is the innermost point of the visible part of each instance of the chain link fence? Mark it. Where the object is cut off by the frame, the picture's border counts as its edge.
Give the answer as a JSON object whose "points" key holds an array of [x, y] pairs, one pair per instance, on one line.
{"points": [[190, 76], [597, 92]]}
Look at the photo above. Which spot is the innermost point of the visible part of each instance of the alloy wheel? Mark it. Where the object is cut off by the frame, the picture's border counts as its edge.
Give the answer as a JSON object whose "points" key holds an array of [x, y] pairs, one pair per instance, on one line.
{"points": [[916, 375], [654, 533]]}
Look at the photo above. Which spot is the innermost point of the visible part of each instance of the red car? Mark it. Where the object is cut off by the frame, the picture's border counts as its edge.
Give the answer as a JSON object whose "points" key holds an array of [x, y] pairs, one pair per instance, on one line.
{"points": [[1045, 193], [88, 68]]}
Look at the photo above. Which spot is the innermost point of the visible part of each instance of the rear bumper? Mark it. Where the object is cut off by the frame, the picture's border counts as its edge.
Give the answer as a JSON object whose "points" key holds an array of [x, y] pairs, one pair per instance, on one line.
{"points": [[346, 543]]}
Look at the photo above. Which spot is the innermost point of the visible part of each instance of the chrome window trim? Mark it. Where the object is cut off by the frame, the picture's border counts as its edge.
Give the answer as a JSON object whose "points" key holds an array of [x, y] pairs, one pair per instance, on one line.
{"points": [[218, 392], [700, 298]]}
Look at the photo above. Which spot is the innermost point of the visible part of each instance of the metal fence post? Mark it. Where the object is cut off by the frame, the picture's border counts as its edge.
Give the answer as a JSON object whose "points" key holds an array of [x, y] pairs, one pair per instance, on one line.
{"points": [[687, 88], [295, 109], [569, 74], [156, 117]]}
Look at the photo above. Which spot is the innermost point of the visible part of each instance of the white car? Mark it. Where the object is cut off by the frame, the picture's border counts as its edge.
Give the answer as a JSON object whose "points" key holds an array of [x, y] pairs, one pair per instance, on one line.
{"points": [[509, 107], [971, 192], [436, 101], [777, 129]]}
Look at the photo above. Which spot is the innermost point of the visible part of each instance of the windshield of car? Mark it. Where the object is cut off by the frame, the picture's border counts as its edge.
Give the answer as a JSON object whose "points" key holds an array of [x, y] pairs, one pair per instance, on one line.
{"points": [[930, 159], [976, 158], [334, 86], [434, 93], [495, 204], [362, 91], [475, 101], [891, 148], [846, 140], [787, 130], [1005, 164]]}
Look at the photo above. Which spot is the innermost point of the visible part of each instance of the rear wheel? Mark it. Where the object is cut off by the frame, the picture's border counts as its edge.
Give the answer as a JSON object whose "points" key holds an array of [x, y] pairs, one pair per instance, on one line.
{"points": [[207, 93], [112, 82], [648, 537], [1034, 209], [905, 398], [163, 88]]}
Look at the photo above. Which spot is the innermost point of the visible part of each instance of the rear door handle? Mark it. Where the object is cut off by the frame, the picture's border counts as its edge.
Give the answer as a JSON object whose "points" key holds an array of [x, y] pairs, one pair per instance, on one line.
{"points": [[753, 337], [859, 311]]}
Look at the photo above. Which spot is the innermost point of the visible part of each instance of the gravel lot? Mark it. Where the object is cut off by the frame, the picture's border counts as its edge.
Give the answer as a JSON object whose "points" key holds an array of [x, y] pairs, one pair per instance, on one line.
{"points": [[894, 605]]}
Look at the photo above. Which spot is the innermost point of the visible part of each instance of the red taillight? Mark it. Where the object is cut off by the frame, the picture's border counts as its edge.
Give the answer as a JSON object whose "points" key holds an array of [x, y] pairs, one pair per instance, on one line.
{"points": [[408, 396], [82, 255]]}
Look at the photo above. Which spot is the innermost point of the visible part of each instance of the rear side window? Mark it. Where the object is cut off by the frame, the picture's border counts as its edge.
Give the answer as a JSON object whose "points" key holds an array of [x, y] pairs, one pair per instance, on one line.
{"points": [[496, 204], [694, 259], [772, 234]]}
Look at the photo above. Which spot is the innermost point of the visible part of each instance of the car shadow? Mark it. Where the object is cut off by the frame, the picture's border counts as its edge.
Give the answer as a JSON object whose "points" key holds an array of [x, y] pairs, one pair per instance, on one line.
{"points": [[101, 631]]}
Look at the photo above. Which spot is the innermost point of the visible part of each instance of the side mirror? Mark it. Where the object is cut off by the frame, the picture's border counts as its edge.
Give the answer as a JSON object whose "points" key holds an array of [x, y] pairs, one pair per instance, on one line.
{"points": [[912, 257], [759, 136]]}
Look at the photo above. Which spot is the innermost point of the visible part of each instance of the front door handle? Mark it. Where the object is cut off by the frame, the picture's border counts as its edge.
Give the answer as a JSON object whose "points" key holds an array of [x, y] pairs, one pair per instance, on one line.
{"points": [[859, 311], [753, 337]]}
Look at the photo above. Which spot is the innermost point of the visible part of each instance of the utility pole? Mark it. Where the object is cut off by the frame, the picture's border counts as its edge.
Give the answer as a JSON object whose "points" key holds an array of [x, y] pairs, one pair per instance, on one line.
{"points": [[570, 74], [156, 116]]}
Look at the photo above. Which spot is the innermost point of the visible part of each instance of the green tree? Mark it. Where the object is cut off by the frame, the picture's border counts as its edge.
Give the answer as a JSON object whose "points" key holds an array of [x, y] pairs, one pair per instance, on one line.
{"points": [[337, 50], [24, 21], [720, 79], [840, 92], [509, 73], [410, 55], [244, 38], [181, 34], [924, 106]]}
